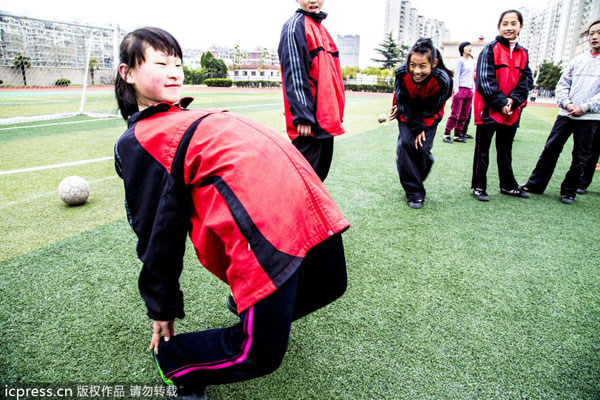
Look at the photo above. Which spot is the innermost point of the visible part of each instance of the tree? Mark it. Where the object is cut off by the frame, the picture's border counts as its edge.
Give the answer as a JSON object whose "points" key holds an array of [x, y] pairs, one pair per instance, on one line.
{"points": [[549, 75], [22, 62], [213, 67], [349, 72], [238, 56], [93, 66], [391, 53], [193, 76]]}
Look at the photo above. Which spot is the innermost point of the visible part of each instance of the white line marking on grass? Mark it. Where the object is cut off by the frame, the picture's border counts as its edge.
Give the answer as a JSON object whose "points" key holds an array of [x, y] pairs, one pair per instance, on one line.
{"points": [[255, 105], [3, 103], [55, 124], [52, 193], [67, 164]]}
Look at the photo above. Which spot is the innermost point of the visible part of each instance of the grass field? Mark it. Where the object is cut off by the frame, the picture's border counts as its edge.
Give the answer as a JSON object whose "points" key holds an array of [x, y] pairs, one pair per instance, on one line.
{"points": [[458, 300]]}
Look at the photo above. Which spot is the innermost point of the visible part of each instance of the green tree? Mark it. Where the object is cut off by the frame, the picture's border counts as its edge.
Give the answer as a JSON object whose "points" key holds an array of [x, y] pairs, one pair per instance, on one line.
{"points": [[238, 56], [93, 65], [549, 75], [349, 72], [22, 62], [193, 76], [391, 53], [213, 67]]}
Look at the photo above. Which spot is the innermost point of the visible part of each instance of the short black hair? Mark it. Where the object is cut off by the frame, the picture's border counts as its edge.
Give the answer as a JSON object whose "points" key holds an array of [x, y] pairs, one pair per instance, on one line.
{"points": [[519, 16], [592, 24], [131, 53]]}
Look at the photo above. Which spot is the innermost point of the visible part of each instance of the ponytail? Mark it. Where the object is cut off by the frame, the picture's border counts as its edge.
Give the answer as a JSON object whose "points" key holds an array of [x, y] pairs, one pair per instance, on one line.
{"points": [[425, 46]]}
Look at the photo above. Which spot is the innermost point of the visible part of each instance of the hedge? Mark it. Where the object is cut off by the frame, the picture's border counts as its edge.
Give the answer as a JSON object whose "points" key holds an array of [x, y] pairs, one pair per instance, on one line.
{"points": [[257, 84], [218, 82], [62, 82], [378, 88]]}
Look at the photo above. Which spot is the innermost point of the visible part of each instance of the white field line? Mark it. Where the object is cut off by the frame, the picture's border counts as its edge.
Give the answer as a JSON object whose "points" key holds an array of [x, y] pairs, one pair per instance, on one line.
{"points": [[52, 193], [4, 103], [253, 105], [67, 164], [55, 124]]}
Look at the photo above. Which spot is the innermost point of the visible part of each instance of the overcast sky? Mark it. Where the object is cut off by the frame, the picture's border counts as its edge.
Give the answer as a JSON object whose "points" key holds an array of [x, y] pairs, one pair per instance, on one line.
{"points": [[200, 23]]}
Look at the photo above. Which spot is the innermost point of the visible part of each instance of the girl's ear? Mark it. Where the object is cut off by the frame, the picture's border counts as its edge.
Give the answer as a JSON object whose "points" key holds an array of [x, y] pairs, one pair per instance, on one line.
{"points": [[435, 62], [124, 73]]}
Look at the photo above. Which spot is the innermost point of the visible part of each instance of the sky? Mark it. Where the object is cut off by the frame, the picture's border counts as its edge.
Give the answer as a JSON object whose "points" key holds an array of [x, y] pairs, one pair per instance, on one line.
{"points": [[249, 24]]}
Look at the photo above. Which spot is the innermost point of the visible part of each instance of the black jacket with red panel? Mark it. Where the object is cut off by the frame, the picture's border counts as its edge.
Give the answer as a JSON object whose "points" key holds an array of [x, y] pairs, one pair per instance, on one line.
{"points": [[501, 73], [313, 89], [251, 203], [420, 105]]}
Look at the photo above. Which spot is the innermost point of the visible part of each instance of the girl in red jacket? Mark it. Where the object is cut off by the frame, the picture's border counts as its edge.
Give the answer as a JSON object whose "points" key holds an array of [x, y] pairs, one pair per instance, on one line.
{"points": [[503, 80], [258, 216], [423, 85]]}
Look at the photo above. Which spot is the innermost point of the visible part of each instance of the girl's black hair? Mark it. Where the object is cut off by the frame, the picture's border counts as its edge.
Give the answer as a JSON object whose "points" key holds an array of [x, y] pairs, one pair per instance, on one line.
{"points": [[425, 46], [131, 53], [519, 16], [592, 24]]}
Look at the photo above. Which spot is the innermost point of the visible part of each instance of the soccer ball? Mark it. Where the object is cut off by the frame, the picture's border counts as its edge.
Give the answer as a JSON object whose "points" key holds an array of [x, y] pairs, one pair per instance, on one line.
{"points": [[74, 190], [381, 118]]}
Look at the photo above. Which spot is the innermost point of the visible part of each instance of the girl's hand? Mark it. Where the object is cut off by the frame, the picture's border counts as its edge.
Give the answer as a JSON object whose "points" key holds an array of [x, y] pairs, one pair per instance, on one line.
{"points": [[507, 109], [393, 113], [420, 139], [575, 111], [304, 130], [164, 327]]}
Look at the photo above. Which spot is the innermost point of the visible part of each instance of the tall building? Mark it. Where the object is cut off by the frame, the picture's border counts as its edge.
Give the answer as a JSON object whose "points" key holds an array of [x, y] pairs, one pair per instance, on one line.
{"points": [[56, 44], [557, 32], [406, 24], [349, 46]]}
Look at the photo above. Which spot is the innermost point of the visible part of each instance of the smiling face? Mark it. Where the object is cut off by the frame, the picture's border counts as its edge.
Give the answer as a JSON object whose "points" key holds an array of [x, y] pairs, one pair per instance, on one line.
{"points": [[313, 6], [157, 79], [420, 67], [594, 38], [467, 51], [510, 26]]}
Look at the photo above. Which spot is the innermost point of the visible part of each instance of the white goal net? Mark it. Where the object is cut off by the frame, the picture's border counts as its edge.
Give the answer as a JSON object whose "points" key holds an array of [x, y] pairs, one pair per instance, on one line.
{"points": [[52, 69]]}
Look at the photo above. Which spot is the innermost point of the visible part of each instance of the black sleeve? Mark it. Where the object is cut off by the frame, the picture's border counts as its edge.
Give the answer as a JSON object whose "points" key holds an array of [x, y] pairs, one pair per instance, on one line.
{"points": [[486, 81], [158, 211], [295, 63]]}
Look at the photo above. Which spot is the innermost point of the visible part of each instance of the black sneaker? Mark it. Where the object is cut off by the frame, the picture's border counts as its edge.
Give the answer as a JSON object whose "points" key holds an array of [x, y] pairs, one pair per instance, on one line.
{"points": [[447, 139], [183, 395], [566, 199], [460, 139], [581, 191], [480, 195], [415, 203], [517, 192], [525, 188], [467, 136], [231, 306]]}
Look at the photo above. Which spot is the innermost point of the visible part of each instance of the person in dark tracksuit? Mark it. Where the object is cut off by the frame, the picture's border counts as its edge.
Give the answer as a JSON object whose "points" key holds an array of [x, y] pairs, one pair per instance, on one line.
{"points": [[258, 216], [578, 96], [313, 89], [503, 79], [423, 84]]}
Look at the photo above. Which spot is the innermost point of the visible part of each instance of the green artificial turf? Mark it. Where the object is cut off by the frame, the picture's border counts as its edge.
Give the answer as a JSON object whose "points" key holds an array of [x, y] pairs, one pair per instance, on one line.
{"points": [[457, 300]]}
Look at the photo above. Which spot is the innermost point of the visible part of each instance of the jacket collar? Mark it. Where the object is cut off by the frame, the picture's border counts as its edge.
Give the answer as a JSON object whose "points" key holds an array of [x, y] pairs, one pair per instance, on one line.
{"points": [[158, 108], [314, 16], [505, 42]]}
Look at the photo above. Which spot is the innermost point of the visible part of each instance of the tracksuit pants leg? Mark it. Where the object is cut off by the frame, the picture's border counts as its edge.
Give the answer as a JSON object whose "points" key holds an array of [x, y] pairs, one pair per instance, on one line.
{"points": [[589, 167], [541, 174], [583, 136], [465, 112], [256, 345], [414, 164], [455, 112], [317, 151], [505, 136]]}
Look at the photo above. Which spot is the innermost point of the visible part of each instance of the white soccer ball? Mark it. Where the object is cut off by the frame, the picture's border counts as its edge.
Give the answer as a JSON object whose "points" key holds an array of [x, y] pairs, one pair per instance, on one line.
{"points": [[74, 190], [381, 118]]}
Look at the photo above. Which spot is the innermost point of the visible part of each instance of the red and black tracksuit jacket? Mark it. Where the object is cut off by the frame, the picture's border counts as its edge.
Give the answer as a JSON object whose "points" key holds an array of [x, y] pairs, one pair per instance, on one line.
{"points": [[250, 202], [312, 78], [501, 74], [420, 105]]}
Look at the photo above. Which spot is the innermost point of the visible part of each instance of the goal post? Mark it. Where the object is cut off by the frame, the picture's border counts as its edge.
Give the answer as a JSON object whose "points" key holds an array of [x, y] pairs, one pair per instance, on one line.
{"points": [[52, 70]]}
